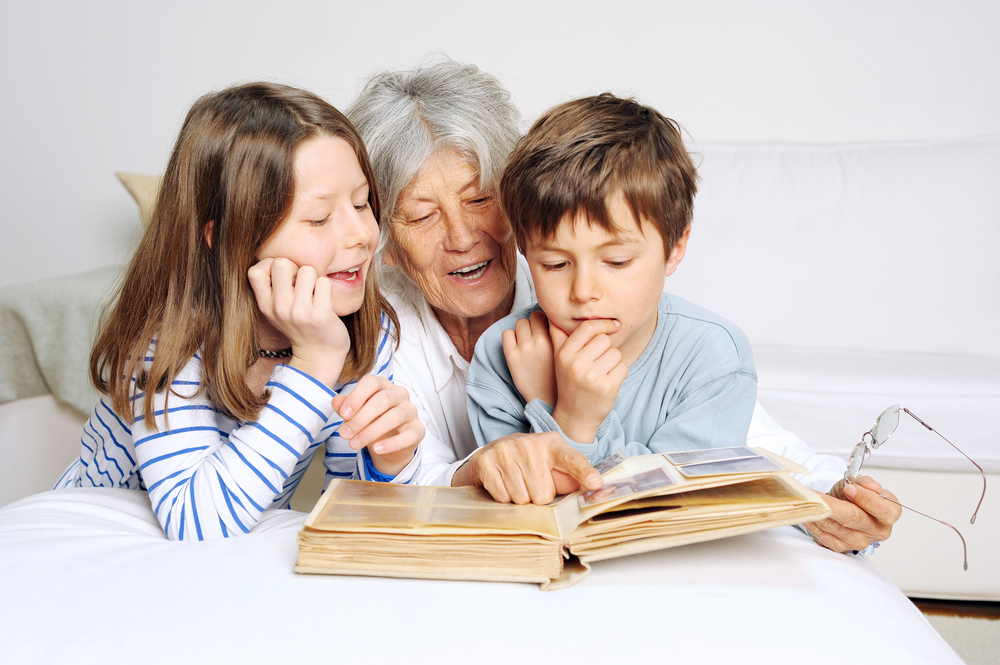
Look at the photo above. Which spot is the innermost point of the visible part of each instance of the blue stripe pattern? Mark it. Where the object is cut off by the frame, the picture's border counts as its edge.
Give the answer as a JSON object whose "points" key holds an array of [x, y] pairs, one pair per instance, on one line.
{"points": [[209, 476]]}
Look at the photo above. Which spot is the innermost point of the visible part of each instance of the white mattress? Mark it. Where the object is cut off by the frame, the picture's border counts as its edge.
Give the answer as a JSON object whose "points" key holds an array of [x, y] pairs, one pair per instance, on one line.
{"points": [[830, 398], [87, 576]]}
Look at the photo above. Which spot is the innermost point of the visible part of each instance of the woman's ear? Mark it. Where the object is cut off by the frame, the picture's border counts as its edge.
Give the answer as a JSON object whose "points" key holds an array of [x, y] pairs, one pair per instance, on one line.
{"points": [[678, 251], [209, 232], [389, 258]]}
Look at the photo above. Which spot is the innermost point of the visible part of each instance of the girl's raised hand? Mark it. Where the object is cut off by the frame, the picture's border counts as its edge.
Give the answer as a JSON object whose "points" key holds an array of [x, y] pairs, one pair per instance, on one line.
{"points": [[378, 414], [298, 303]]}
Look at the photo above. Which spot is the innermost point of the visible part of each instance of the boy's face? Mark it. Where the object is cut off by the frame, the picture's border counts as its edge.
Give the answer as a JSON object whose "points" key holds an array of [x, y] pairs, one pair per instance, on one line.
{"points": [[585, 272]]}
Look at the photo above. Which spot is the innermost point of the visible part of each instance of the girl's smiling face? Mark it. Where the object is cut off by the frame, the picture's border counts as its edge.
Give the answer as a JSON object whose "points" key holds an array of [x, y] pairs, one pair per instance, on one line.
{"points": [[331, 226]]}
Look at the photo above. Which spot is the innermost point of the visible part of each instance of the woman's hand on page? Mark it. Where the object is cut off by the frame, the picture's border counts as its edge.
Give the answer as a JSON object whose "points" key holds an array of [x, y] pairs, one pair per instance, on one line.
{"points": [[528, 468]]}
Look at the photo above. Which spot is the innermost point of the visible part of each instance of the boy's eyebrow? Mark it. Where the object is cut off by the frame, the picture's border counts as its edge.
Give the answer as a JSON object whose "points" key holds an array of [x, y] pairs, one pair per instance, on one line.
{"points": [[616, 241]]}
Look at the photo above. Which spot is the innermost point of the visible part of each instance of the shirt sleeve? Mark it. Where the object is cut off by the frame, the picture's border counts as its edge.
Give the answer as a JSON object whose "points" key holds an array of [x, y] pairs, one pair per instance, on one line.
{"points": [[204, 482], [713, 414], [495, 407], [824, 470], [438, 461]]}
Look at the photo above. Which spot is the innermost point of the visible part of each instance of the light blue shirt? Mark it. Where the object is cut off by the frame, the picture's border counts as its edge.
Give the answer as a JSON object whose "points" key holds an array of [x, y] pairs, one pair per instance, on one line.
{"points": [[694, 386]]}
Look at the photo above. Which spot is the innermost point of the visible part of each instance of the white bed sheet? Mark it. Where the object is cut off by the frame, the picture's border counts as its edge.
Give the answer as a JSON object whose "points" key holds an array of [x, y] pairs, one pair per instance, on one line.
{"points": [[87, 576]]}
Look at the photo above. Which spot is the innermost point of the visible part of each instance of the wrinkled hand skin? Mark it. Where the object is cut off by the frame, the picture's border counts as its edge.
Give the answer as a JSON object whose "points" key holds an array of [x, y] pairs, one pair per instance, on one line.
{"points": [[860, 516], [528, 468]]}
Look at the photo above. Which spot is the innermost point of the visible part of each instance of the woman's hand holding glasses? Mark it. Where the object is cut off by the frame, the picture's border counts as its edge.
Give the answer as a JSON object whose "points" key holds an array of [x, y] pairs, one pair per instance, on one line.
{"points": [[863, 513], [846, 526]]}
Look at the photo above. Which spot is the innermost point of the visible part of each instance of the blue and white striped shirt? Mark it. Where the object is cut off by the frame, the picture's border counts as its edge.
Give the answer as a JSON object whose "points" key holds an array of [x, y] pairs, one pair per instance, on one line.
{"points": [[209, 476]]}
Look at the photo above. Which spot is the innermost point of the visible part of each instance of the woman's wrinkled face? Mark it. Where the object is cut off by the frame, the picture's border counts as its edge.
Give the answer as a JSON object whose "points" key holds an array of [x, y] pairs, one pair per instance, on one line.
{"points": [[453, 241]]}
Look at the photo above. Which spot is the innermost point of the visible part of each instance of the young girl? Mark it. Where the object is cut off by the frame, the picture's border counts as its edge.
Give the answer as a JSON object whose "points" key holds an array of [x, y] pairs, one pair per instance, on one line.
{"points": [[248, 318]]}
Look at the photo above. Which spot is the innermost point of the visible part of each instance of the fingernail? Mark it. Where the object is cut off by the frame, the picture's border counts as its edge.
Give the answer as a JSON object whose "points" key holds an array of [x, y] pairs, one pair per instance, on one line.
{"points": [[378, 448], [346, 413], [345, 432], [850, 490], [356, 444]]}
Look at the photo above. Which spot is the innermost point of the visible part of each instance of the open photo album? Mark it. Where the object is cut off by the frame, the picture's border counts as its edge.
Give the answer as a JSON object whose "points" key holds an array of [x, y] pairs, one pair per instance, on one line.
{"points": [[648, 502]]}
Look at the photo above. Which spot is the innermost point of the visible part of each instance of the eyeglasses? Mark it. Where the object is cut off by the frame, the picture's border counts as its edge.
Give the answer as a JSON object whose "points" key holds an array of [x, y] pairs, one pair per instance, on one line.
{"points": [[871, 440]]}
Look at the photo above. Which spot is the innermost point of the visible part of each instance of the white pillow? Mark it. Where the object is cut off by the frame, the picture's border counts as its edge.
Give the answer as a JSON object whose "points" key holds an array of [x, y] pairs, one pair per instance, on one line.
{"points": [[144, 189]]}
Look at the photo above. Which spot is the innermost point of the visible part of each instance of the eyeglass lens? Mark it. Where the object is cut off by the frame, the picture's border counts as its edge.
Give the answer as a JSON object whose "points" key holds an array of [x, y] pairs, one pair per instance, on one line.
{"points": [[883, 428], [858, 457], [885, 425]]}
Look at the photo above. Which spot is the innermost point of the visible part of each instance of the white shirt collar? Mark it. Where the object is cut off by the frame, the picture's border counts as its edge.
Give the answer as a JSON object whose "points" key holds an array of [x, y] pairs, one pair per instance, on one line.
{"points": [[437, 340]]}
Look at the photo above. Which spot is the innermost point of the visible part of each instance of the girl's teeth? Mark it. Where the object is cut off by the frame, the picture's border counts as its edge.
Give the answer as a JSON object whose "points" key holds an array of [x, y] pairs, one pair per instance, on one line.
{"points": [[348, 275]]}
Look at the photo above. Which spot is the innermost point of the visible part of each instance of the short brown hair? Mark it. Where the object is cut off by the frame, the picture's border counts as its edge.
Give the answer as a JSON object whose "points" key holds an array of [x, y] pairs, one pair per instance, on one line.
{"points": [[232, 168], [580, 153]]}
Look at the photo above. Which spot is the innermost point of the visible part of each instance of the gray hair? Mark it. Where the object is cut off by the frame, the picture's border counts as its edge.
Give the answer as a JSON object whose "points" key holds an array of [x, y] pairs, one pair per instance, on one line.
{"points": [[405, 117]]}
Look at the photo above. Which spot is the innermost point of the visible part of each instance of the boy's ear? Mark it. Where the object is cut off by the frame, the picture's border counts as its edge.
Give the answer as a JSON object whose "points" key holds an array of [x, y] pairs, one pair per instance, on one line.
{"points": [[209, 232], [678, 251]]}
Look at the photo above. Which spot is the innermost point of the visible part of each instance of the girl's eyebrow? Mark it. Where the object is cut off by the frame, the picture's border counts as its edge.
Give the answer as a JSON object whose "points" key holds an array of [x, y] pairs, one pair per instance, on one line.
{"points": [[362, 184]]}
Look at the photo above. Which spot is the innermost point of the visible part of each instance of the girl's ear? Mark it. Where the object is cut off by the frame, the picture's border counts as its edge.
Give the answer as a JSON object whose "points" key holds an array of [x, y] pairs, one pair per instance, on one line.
{"points": [[678, 251], [209, 232]]}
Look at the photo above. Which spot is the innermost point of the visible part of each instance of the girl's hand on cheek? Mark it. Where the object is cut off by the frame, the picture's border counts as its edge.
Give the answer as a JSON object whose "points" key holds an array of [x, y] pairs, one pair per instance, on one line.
{"points": [[378, 414], [298, 303]]}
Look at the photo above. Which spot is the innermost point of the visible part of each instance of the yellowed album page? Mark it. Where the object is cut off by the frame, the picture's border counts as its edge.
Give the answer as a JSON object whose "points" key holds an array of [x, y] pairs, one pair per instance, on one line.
{"points": [[354, 505]]}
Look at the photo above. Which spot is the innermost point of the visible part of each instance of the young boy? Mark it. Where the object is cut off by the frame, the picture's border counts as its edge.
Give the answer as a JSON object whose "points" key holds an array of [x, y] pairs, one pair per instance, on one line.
{"points": [[600, 195]]}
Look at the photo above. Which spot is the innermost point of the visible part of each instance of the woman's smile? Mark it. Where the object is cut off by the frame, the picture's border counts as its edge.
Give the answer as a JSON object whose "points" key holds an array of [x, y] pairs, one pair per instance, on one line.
{"points": [[474, 271]]}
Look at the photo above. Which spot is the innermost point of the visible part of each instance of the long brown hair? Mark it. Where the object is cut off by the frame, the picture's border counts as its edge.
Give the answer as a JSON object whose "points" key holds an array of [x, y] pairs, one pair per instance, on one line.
{"points": [[232, 167]]}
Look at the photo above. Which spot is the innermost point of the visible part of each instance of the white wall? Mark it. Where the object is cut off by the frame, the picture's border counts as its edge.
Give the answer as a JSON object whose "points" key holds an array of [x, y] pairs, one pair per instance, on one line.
{"points": [[90, 88]]}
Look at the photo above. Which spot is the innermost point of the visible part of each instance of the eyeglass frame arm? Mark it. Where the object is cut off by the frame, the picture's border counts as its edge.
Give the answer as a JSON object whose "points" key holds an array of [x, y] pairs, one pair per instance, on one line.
{"points": [[981, 472]]}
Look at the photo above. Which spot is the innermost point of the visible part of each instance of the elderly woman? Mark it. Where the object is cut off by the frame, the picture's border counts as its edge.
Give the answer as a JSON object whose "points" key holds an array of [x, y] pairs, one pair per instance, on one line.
{"points": [[438, 138]]}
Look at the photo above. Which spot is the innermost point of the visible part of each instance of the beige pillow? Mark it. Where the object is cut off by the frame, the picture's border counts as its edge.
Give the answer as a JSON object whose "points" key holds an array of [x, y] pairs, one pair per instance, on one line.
{"points": [[143, 189]]}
